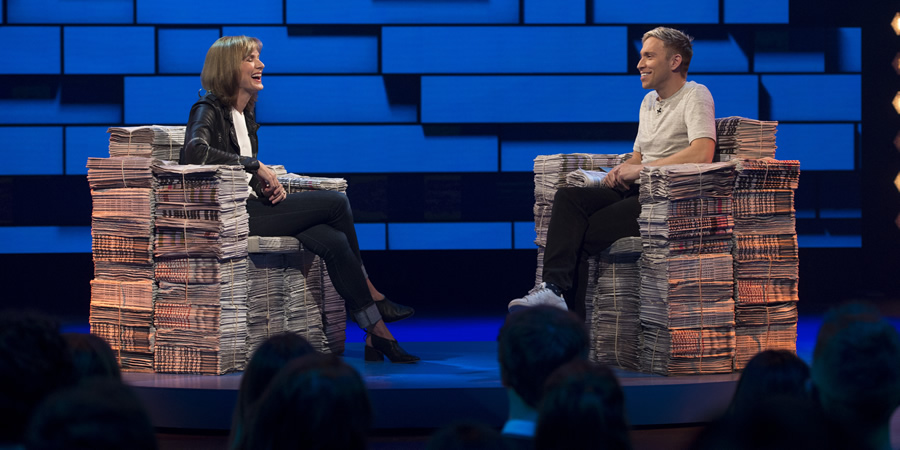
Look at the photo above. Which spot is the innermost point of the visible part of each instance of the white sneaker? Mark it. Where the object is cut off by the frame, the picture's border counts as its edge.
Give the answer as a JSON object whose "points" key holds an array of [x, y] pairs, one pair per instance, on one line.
{"points": [[540, 295]]}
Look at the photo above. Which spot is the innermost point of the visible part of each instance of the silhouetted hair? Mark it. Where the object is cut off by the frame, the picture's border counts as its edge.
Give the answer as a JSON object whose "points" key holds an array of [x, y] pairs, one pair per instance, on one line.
{"points": [[270, 357], [533, 343], [676, 43], [34, 362], [856, 369], [92, 356], [466, 435], [770, 372], [583, 407], [316, 402], [221, 71], [97, 414]]}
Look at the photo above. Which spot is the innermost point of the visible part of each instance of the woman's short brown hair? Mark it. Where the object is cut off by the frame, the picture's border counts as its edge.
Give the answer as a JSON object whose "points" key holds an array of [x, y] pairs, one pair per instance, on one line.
{"points": [[221, 70]]}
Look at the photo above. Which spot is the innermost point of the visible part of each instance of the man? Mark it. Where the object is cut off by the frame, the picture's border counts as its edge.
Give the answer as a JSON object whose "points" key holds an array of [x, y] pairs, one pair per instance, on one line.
{"points": [[532, 344], [677, 125]]}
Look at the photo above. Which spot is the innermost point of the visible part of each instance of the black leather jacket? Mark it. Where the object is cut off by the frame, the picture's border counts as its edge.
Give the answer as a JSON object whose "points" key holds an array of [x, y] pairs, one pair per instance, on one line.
{"points": [[210, 137]]}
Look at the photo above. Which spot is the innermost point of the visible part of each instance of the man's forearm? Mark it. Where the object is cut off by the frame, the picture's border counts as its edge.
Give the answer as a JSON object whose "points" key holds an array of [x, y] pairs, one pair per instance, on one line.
{"points": [[699, 151]]}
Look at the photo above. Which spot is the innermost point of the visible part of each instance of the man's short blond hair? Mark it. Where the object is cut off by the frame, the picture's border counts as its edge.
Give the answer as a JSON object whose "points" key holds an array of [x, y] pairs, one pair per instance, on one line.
{"points": [[676, 43]]}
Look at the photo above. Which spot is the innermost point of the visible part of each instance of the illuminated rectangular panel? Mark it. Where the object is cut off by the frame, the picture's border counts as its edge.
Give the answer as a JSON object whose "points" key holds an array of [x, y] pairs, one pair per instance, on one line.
{"points": [[723, 55], [734, 95], [19, 240], [213, 12], [554, 11], [543, 49], [395, 12], [843, 213], [53, 111], [756, 11], [109, 50], [789, 62], [814, 97], [32, 150], [335, 99], [817, 146], [828, 241], [83, 143], [371, 236], [518, 156], [564, 98], [450, 236], [42, 55], [163, 100], [283, 53], [656, 11], [524, 235], [373, 148], [69, 11], [850, 48], [183, 50]]}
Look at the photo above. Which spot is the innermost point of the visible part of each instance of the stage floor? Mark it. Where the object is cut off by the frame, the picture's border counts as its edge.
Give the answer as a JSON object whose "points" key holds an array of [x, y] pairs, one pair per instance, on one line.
{"points": [[457, 378]]}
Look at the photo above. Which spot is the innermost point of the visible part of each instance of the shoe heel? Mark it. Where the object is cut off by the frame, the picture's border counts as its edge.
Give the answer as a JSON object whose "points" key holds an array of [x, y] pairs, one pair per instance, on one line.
{"points": [[373, 355]]}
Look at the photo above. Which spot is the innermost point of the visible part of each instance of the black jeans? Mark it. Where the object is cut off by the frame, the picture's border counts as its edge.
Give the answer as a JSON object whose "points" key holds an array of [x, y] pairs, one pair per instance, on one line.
{"points": [[584, 222], [323, 222]]}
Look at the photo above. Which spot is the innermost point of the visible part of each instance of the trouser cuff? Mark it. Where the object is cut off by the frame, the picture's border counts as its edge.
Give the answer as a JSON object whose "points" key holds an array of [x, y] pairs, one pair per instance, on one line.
{"points": [[367, 316]]}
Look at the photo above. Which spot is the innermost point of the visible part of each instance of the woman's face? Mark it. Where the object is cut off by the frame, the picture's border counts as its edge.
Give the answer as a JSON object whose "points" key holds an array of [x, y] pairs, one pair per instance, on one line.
{"points": [[251, 73]]}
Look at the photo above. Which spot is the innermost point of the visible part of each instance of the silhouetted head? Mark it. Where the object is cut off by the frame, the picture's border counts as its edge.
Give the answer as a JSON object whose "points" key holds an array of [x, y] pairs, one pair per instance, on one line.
{"points": [[533, 343], [92, 356], [771, 372]]}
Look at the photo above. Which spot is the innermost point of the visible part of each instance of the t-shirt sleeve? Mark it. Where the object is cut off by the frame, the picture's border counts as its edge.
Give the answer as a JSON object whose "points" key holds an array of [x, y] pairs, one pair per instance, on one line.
{"points": [[700, 114]]}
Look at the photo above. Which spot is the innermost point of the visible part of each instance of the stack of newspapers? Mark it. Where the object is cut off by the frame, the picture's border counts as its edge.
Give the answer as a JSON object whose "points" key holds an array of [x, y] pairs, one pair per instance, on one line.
{"points": [[687, 284], [148, 141], [123, 288], [765, 256], [615, 324], [550, 174], [740, 137], [202, 269]]}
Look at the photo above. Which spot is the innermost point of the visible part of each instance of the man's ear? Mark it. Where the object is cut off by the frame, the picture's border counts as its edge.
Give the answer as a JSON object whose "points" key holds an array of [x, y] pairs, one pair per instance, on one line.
{"points": [[675, 63]]}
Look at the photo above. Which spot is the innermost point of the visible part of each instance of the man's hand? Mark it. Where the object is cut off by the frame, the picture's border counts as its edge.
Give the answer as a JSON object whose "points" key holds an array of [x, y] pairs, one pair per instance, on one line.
{"points": [[622, 176], [272, 188]]}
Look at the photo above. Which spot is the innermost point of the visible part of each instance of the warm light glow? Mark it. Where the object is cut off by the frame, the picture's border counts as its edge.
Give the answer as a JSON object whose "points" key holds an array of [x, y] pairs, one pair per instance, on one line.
{"points": [[897, 182], [896, 102], [896, 63], [895, 24]]}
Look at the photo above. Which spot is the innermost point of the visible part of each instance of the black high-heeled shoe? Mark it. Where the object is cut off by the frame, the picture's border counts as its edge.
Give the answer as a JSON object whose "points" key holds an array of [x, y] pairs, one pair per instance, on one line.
{"points": [[382, 347], [392, 312]]}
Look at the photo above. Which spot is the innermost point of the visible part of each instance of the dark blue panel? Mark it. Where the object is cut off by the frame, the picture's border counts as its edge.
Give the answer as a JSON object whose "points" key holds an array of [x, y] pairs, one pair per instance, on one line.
{"points": [[844, 213], [756, 11], [323, 99], [518, 156], [814, 97], [54, 111], [184, 50], [214, 12], [18, 240], [477, 99], [83, 143], [42, 54], [504, 49], [718, 56], [109, 50], [656, 11], [39, 150], [734, 95], [817, 146], [160, 100], [789, 62], [312, 54], [450, 236], [412, 11], [70, 11], [525, 235], [828, 241], [371, 236], [850, 47], [555, 11], [372, 148]]}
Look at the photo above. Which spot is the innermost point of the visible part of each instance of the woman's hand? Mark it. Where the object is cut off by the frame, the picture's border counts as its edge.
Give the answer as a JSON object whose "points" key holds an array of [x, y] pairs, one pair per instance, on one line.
{"points": [[272, 188]]}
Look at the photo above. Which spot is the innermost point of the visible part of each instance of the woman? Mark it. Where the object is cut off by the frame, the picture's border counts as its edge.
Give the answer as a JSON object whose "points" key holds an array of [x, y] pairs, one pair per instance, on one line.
{"points": [[222, 130]]}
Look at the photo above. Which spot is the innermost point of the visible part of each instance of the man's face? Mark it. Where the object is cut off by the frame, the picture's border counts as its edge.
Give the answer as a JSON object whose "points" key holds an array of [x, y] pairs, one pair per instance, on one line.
{"points": [[654, 65]]}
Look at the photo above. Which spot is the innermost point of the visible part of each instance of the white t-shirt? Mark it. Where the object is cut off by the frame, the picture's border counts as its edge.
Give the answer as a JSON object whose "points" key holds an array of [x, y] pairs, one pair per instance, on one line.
{"points": [[670, 125], [243, 136]]}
